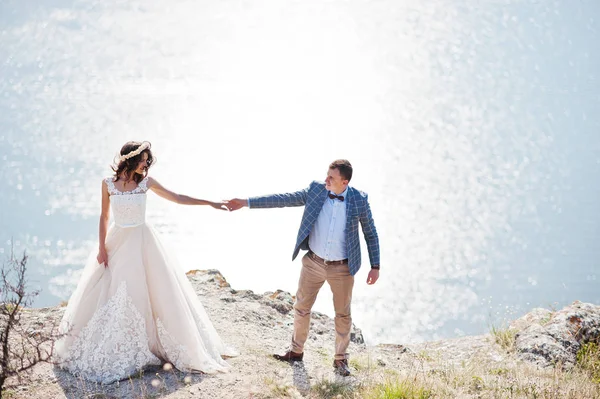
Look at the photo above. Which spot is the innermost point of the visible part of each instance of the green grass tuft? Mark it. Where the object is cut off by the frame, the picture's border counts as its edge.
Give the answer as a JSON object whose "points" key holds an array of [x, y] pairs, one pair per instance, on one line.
{"points": [[505, 337], [397, 389], [588, 358]]}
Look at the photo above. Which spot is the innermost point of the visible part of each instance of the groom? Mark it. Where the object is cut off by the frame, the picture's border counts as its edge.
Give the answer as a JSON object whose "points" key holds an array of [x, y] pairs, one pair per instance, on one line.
{"points": [[329, 231]]}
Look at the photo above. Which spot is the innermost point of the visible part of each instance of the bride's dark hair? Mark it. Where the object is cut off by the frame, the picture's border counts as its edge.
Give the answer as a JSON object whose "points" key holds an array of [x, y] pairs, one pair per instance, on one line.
{"points": [[128, 166]]}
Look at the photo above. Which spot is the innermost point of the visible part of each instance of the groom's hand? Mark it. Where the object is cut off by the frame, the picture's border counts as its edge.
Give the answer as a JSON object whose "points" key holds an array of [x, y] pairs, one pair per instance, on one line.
{"points": [[235, 204], [373, 276]]}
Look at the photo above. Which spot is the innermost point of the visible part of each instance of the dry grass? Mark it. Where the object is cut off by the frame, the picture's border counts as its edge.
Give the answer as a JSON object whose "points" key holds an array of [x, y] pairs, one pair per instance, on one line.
{"points": [[416, 377], [475, 379], [588, 359], [504, 336], [279, 390], [328, 389]]}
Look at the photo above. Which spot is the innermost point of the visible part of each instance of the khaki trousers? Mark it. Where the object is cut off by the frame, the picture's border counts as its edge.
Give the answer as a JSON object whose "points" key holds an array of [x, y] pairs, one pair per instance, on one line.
{"points": [[312, 277]]}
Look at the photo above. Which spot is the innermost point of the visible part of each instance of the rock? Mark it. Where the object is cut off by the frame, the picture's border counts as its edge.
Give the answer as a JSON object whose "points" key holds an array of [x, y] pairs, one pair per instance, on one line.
{"points": [[319, 327], [538, 316], [227, 298], [556, 340], [318, 315], [282, 296], [248, 294], [395, 348], [356, 335], [281, 307], [536, 345], [282, 301]]}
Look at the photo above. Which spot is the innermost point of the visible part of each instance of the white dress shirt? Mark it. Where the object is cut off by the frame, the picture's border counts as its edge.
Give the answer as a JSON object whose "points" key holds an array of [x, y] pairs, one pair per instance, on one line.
{"points": [[327, 238]]}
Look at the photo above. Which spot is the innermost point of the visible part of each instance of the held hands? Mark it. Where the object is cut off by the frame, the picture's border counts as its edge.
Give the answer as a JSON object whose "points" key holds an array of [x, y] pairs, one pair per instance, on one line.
{"points": [[230, 205], [235, 204], [102, 257], [373, 276], [219, 205]]}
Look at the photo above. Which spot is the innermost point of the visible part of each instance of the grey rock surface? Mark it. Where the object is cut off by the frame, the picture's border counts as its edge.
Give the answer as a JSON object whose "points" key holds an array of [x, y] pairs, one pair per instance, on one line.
{"points": [[553, 338]]}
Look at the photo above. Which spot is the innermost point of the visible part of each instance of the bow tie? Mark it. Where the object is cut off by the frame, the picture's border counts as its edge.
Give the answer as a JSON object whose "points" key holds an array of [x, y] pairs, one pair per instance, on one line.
{"points": [[333, 196]]}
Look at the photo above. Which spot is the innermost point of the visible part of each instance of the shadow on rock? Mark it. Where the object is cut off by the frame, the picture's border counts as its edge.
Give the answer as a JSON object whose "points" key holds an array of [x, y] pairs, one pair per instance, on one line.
{"points": [[300, 377], [155, 382]]}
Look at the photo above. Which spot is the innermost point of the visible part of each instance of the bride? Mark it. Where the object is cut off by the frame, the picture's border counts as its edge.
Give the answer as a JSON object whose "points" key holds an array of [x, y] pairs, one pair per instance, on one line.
{"points": [[132, 306]]}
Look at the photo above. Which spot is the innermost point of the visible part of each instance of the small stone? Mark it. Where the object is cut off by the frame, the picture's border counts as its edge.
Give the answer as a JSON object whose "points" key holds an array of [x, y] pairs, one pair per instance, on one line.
{"points": [[227, 299], [356, 336]]}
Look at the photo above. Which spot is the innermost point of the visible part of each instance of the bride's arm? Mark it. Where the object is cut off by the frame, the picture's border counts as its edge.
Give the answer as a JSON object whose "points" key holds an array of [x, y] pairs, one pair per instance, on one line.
{"points": [[180, 198], [103, 226]]}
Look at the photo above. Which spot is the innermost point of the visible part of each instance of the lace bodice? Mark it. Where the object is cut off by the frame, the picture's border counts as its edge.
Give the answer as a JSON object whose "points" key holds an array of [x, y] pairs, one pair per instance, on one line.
{"points": [[128, 207]]}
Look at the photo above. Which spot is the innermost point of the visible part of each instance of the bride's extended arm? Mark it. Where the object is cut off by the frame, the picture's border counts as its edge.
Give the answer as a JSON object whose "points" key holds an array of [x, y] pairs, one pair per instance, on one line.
{"points": [[103, 226], [180, 198]]}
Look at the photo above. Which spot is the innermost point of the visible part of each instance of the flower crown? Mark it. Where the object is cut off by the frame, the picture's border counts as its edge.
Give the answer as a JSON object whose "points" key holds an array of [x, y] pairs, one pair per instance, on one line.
{"points": [[144, 146]]}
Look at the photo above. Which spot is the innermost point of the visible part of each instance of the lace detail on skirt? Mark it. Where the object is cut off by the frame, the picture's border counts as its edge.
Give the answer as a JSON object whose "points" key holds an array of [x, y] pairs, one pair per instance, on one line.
{"points": [[114, 344], [177, 354]]}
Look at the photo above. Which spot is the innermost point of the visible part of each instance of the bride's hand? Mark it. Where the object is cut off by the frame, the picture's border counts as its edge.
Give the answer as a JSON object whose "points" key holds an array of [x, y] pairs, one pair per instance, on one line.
{"points": [[219, 205], [102, 257]]}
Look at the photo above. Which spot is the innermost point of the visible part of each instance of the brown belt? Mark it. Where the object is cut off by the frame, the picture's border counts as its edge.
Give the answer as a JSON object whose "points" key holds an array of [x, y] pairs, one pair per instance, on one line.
{"points": [[327, 262]]}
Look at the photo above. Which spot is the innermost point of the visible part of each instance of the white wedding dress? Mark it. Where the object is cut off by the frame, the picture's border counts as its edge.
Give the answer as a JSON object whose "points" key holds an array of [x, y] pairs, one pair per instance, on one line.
{"points": [[140, 311]]}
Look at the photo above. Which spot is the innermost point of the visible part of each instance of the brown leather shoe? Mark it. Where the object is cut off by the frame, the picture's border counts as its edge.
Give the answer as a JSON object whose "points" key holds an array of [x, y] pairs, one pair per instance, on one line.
{"points": [[289, 357], [341, 367]]}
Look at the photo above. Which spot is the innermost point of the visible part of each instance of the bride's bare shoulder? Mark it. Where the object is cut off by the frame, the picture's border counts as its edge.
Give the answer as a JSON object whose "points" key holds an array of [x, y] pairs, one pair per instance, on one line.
{"points": [[107, 183]]}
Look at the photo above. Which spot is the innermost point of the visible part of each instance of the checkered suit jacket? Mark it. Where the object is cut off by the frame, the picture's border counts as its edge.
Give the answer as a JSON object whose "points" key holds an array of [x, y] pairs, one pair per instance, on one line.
{"points": [[313, 198]]}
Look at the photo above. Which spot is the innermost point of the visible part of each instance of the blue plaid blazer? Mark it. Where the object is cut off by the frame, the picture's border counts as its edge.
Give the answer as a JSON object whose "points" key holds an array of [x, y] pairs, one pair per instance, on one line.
{"points": [[313, 198]]}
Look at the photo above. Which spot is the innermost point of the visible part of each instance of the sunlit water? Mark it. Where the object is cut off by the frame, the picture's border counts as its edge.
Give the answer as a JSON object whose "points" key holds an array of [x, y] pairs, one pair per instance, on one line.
{"points": [[475, 129]]}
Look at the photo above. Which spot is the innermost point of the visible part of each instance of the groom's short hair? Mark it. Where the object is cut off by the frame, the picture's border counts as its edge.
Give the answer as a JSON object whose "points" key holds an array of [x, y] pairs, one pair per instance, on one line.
{"points": [[344, 166]]}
